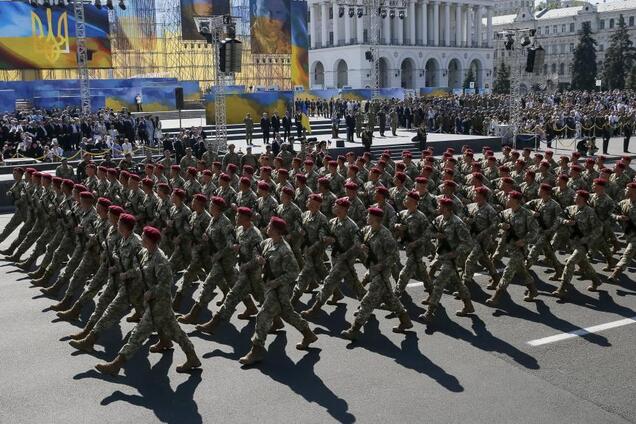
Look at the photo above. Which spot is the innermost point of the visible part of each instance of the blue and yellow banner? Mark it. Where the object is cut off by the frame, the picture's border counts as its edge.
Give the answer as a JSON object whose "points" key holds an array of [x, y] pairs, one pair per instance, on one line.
{"points": [[270, 26], [300, 44], [44, 38], [196, 8], [239, 105]]}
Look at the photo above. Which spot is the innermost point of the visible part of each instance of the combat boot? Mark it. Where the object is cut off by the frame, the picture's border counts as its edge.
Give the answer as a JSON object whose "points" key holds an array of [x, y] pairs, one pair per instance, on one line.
{"points": [[72, 313], [561, 292], [496, 297], [211, 325], [613, 278], [428, 316], [256, 354], [52, 289], [277, 324], [192, 316], [308, 338], [250, 309], [335, 297], [13, 258], [427, 300], [62, 304], [295, 297], [595, 284], [192, 362], [82, 334], [86, 344], [220, 302], [112, 368], [532, 292], [135, 317], [39, 272], [494, 282], [611, 263], [467, 309], [42, 279], [161, 346], [311, 287], [405, 323], [315, 308], [352, 333], [26, 264], [176, 302]]}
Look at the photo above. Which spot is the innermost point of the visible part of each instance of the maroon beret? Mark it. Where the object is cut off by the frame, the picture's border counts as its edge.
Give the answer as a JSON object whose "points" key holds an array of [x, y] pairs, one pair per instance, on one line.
{"points": [[218, 201], [225, 177], [148, 182], [244, 211], [316, 197], [583, 193], [263, 185], [351, 185], [152, 234], [179, 192], [414, 195], [445, 201], [105, 202], [192, 171], [115, 210], [376, 212], [127, 219], [288, 190], [382, 190], [515, 195], [344, 202], [278, 224], [200, 198]]}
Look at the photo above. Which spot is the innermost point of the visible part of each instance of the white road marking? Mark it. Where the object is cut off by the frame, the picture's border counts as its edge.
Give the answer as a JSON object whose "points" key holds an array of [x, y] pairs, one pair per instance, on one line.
{"points": [[582, 332]]}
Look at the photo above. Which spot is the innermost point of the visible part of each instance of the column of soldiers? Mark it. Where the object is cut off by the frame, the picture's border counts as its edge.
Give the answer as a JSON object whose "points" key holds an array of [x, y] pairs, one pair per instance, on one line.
{"points": [[266, 236]]}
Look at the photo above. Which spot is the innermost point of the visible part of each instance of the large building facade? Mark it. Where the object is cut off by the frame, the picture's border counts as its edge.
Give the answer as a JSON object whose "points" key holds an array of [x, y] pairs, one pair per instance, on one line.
{"points": [[557, 31], [431, 44]]}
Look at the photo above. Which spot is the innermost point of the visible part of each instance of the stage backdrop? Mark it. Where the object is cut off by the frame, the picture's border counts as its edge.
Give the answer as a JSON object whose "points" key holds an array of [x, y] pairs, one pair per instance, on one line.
{"points": [[135, 28], [44, 38], [270, 22], [367, 94], [7, 101], [300, 44], [436, 91], [193, 8], [238, 105]]}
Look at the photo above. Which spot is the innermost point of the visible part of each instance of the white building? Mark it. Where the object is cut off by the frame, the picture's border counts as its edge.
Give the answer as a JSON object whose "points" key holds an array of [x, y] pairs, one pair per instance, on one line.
{"points": [[557, 31], [510, 7], [432, 46]]}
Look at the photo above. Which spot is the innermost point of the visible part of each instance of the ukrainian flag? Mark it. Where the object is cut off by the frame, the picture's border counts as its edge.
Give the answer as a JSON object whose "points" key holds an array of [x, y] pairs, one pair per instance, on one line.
{"points": [[305, 119]]}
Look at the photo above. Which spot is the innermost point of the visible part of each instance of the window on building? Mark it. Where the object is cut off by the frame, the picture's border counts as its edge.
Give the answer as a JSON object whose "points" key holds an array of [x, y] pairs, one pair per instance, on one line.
{"points": [[631, 21], [545, 68], [571, 47], [572, 27], [562, 69], [330, 13], [563, 28], [611, 23], [562, 48], [539, 30], [553, 68], [547, 30], [601, 24], [554, 29]]}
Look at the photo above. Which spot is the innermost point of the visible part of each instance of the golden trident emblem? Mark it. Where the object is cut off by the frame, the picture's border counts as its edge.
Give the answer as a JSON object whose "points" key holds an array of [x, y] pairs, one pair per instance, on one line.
{"points": [[46, 41]]}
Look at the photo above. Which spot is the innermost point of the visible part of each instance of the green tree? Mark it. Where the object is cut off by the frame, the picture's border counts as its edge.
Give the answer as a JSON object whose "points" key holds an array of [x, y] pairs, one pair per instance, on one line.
{"points": [[584, 61], [631, 80], [470, 77], [501, 85], [619, 57]]}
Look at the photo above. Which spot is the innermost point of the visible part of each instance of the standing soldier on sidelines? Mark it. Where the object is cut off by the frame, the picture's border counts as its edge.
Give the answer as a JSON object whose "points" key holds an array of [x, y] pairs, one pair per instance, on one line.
{"points": [[626, 214], [279, 273], [520, 229], [16, 192], [249, 281], [200, 264], [454, 241], [585, 228], [414, 232], [379, 251], [219, 236], [129, 288], [155, 273]]}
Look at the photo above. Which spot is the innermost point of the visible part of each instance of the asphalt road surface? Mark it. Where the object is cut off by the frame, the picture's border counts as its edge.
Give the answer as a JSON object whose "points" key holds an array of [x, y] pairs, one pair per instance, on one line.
{"points": [[480, 369]]}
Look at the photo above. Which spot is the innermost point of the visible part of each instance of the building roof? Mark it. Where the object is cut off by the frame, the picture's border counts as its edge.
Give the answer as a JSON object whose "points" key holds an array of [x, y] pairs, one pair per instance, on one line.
{"points": [[562, 12], [503, 20], [616, 6]]}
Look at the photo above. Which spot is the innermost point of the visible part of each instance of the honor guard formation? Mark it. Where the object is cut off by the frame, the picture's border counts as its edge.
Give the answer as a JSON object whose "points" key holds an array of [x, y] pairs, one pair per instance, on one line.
{"points": [[282, 236]]}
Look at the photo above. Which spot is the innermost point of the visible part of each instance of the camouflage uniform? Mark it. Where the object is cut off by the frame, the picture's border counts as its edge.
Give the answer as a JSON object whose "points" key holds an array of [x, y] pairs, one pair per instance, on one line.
{"points": [[265, 210], [280, 271], [415, 233], [293, 216], [149, 209], [548, 220], [627, 208], [158, 315], [20, 215], [179, 231], [604, 206], [200, 263], [42, 209], [482, 223], [58, 254], [315, 227], [135, 206], [220, 234]]}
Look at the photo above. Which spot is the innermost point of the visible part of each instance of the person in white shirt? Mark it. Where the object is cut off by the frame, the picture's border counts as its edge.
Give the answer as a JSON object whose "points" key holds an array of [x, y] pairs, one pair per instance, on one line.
{"points": [[126, 147]]}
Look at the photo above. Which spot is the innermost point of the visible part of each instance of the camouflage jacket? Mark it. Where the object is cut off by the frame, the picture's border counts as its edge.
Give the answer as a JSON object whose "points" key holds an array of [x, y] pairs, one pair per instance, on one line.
{"points": [[523, 226], [220, 235], [265, 210], [382, 249], [456, 235], [481, 221], [414, 229], [347, 235], [280, 266], [248, 240], [587, 226], [548, 214]]}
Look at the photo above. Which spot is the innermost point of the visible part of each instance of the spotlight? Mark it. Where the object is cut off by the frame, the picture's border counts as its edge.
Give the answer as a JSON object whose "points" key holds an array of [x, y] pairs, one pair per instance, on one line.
{"points": [[360, 12], [401, 15], [122, 5], [525, 41], [392, 14], [60, 3], [352, 12], [98, 3], [109, 4], [383, 14], [341, 12]]}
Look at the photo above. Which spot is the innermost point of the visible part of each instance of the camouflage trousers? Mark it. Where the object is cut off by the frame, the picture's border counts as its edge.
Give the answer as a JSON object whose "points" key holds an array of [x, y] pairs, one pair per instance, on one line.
{"points": [[577, 257], [33, 236], [340, 270], [222, 274], [105, 299], [158, 315], [87, 267], [603, 243], [166, 246], [478, 255], [181, 257], [414, 267], [313, 270], [47, 247], [199, 267], [248, 282], [63, 251], [560, 238], [24, 230], [16, 219], [71, 266], [542, 245], [626, 258], [379, 290], [277, 303], [447, 275], [119, 307], [516, 265]]}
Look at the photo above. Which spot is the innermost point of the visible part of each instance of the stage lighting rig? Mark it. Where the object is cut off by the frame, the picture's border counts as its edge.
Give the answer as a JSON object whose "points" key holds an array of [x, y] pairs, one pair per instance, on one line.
{"points": [[98, 4], [402, 15], [392, 14], [109, 4], [352, 12], [341, 11], [122, 5], [360, 12], [383, 14], [60, 3]]}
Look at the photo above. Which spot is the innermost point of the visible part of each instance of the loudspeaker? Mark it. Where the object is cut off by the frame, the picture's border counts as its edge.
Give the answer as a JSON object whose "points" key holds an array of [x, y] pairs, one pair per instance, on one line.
{"points": [[536, 58], [178, 94], [230, 52], [340, 142]]}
